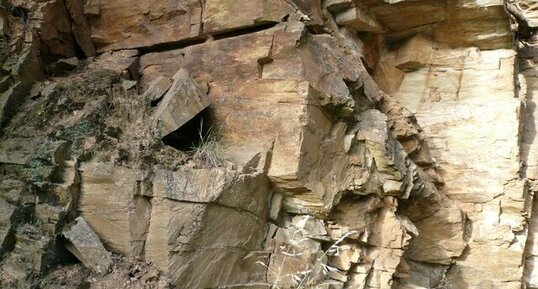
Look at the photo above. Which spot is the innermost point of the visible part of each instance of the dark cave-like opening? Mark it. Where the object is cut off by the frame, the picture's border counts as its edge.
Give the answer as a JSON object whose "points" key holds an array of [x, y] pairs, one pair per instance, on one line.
{"points": [[193, 133]]}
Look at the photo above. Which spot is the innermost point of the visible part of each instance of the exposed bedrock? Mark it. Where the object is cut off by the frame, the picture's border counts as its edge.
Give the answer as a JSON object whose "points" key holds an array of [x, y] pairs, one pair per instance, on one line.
{"points": [[269, 144]]}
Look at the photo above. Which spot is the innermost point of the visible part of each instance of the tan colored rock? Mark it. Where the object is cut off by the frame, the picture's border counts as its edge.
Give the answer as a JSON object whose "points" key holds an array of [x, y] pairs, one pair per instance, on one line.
{"points": [[80, 27], [422, 275], [224, 15], [480, 23], [347, 256], [51, 218], [390, 159], [301, 116], [463, 94], [263, 98], [189, 240], [121, 25], [293, 255], [359, 20], [86, 246], [216, 185], [177, 226], [126, 25], [524, 11], [113, 217], [480, 265], [196, 227], [440, 237], [420, 51], [183, 101], [456, 117], [408, 14]]}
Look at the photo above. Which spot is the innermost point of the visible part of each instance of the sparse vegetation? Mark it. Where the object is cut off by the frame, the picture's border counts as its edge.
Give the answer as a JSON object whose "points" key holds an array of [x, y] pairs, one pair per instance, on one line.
{"points": [[304, 278], [208, 148], [77, 131], [34, 171]]}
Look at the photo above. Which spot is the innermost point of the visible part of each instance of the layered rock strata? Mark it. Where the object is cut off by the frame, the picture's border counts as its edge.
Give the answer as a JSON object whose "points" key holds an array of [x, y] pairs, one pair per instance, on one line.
{"points": [[304, 144]]}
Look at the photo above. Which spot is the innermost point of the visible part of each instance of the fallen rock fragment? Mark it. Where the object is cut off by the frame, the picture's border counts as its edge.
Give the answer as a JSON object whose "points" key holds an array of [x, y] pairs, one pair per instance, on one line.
{"points": [[124, 62], [157, 88], [86, 246], [358, 20], [128, 84], [63, 66], [183, 101]]}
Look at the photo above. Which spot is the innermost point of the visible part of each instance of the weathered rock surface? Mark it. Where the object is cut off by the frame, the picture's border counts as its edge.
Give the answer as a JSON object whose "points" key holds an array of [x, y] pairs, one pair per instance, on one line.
{"points": [[326, 144], [86, 246], [183, 101], [440, 88]]}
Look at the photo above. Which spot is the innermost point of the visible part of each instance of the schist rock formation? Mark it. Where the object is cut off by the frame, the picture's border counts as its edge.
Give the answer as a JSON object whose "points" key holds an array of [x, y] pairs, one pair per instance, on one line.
{"points": [[269, 144]]}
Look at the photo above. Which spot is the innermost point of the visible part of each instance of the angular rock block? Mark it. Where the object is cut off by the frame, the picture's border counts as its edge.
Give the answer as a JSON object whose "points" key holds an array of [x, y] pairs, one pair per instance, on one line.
{"points": [[183, 101], [432, 91], [395, 178], [440, 89], [224, 15], [245, 192], [157, 88], [191, 223], [272, 89], [359, 20], [86, 246], [123, 24], [107, 204], [203, 245], [293, 255]]}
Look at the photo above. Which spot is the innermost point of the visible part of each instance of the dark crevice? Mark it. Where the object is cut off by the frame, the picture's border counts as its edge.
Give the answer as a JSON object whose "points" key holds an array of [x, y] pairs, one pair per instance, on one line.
{"points": [[246, 30], [19, 12], [175, 45], [161, 47], [79, 52], [191, 135]]}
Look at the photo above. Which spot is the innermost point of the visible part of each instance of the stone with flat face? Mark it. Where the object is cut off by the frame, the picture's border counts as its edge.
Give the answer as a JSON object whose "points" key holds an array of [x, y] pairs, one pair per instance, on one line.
{"points": [[183, 101], [86, 246], [268, 88], [473, 132], [126, 24], [116, 216], [224, 15]]}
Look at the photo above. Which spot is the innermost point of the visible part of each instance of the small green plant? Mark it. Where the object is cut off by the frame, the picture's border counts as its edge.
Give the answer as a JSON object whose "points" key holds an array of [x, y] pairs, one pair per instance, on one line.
{"points": [[77, 131], [208, 147], [34, 170]]}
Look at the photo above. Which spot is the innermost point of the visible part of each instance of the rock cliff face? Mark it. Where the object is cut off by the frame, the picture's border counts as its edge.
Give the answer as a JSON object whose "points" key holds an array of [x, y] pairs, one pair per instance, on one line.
{"points": [[268, 144]]}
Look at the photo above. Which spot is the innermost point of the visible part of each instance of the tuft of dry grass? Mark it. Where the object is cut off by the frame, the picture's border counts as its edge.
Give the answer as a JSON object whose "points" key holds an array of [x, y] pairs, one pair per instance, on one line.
{"points": [[208, 148], [303, 279]]}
